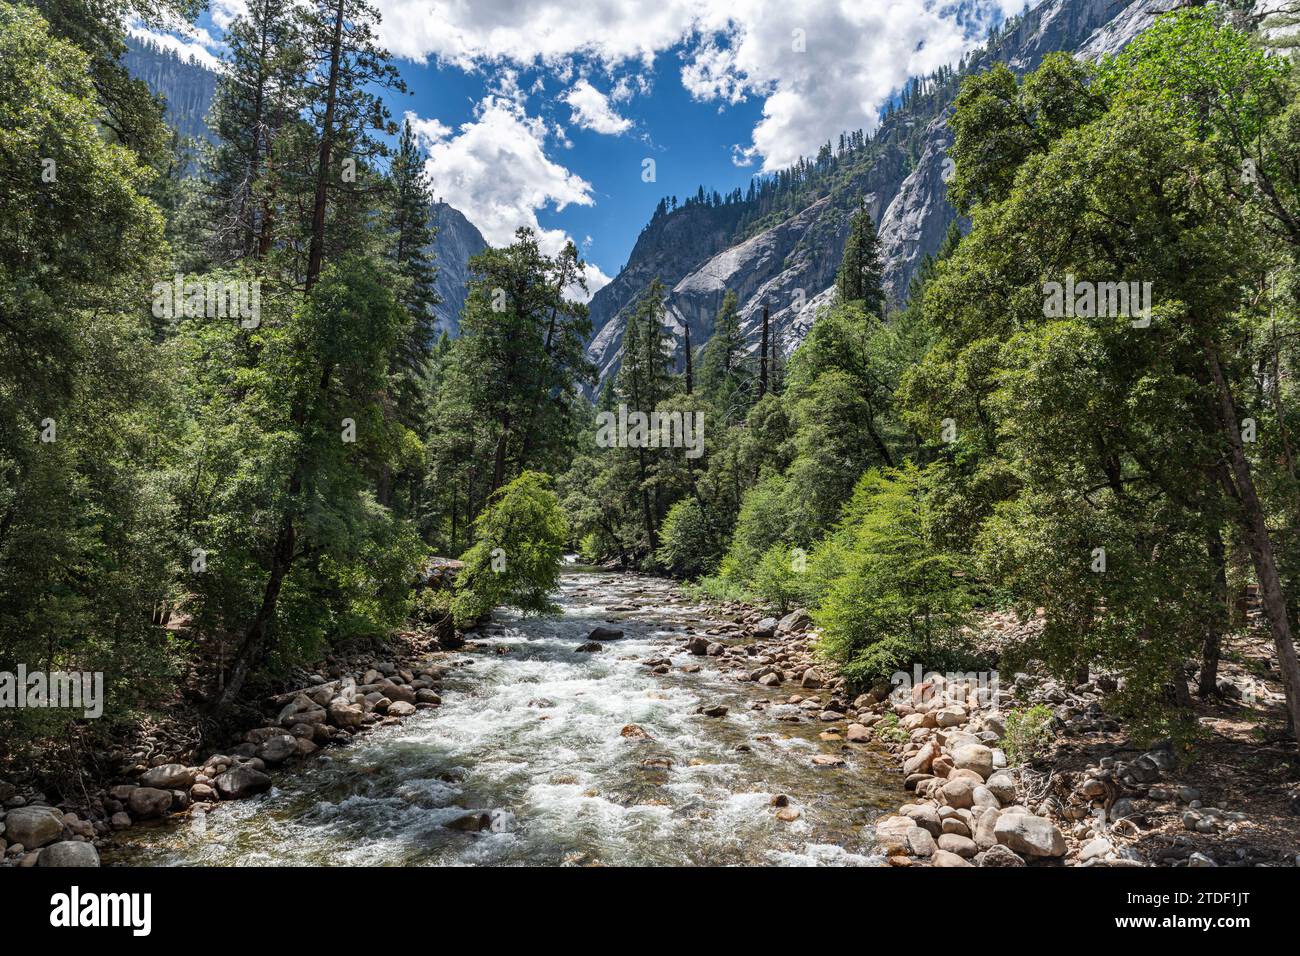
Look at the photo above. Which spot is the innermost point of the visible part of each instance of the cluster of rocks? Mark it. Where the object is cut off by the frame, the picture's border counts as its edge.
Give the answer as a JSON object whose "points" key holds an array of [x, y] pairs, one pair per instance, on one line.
{"points": [[1125, 798], [35, 834], [970, 808], [326, 712]]}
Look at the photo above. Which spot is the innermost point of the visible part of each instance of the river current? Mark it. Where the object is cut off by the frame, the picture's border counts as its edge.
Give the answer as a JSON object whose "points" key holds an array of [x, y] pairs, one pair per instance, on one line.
{"points": [[530, 731]]}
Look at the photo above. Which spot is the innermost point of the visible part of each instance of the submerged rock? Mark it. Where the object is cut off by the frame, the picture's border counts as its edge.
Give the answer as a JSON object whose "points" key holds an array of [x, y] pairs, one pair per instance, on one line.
{"points": [[470, 822]]}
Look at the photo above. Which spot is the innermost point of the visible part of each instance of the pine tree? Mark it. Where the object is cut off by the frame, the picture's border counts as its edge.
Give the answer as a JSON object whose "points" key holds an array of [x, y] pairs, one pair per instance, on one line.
{"points": [[258, 96], [861, 276], [725, 378], [349, 69], [645, 380], [412, 254]]}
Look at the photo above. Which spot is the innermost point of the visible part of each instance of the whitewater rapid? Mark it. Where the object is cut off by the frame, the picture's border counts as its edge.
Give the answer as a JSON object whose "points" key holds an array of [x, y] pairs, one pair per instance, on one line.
{"points": [[530, 731]]}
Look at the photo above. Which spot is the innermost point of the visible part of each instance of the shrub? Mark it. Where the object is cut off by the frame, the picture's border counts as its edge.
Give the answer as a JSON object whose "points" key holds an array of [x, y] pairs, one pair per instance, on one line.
{"points": [[764, 521], [431, 606], [888, 730], [1028, 733], [776, 581], [687, 543]]}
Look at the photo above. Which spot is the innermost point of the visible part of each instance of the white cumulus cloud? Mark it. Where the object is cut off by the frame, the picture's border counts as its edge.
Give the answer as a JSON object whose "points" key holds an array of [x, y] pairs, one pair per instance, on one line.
{"points": [[591, 110], [495, 170], [819, 66]]}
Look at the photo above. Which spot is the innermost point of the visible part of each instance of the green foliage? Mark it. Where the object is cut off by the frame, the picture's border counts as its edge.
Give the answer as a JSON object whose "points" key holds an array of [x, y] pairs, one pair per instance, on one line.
{"points": [[777, 580], [507, 397], [84, 558], [432, 606], [861, 274], [888, 731], [688, 544], [1028, 733], [899, 598], [517, 552], [765, 520], [1087, 471], [727, 377]]}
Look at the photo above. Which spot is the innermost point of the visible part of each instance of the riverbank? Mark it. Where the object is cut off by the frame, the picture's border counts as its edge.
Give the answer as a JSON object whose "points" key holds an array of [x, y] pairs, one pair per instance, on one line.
{"points": [[1090, 797], [167, 776]]}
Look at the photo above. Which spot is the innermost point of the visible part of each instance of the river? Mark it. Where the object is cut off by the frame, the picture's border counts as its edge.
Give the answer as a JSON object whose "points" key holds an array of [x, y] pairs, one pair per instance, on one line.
{"points": [[529, 730]]}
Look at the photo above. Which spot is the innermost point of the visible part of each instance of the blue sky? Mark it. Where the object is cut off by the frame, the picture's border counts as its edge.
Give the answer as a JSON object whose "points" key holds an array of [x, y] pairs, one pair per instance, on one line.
{"points": [[544, 112], [691, 143]]}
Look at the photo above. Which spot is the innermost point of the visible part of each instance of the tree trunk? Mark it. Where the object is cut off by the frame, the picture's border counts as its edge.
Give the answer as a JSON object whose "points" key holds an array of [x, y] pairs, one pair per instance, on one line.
{"points": [[876, 440], [689, 382], [266, 228], [1255, 528], [455, 499], [499, 460], [652, 536], [1209, 682], [255, 230], [1182, 696], [252, 649], [762, 358]]}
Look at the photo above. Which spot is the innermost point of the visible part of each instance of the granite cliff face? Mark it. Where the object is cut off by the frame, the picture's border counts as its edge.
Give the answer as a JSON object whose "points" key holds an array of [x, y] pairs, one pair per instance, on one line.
{"points": [[786, 266], [456, 240], [791, 264], [668, 248], [186, 85]]}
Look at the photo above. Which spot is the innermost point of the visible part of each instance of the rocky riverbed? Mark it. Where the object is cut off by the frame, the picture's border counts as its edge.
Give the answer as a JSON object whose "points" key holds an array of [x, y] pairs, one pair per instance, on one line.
{"points": [[1093, 798], [607, 734], [639, 726]]}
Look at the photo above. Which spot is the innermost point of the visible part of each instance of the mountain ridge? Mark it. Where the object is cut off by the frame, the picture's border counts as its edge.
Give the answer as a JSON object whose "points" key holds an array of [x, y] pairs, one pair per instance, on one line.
{"points": [[900, 173]]}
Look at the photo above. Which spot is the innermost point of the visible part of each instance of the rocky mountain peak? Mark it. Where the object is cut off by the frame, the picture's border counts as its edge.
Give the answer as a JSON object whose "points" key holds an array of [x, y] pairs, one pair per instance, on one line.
{"points": [[789, 261]]}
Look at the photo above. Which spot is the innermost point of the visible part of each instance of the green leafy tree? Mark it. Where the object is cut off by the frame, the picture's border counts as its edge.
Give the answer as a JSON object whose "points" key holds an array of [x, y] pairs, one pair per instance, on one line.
{"points": [[318, 384], [899, 597], [84, 398], [517, 552]]}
